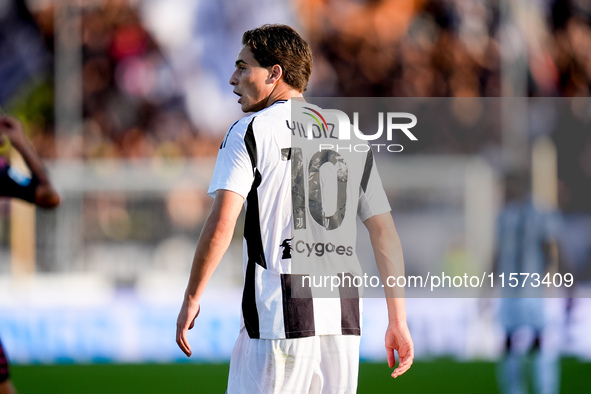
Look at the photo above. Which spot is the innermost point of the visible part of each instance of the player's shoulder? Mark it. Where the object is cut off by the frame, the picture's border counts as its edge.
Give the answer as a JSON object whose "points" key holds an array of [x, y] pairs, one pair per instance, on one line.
{"points": [[277, 110], [241, 125], [237, 131]]}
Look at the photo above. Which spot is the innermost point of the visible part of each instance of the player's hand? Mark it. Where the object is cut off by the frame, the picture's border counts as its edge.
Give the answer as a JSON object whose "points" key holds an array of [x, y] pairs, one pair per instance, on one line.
{"points": [[398, 338], [185, 321], [10, 127], [3, 126]]}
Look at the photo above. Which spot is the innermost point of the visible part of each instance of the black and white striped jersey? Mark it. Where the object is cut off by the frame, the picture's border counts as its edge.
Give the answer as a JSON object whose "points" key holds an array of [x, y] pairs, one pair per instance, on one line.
{"points": [[303, 196]]}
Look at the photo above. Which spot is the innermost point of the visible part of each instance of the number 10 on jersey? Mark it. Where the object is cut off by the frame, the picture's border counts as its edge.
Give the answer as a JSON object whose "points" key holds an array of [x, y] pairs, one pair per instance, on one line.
{"points": [[315, 204]]}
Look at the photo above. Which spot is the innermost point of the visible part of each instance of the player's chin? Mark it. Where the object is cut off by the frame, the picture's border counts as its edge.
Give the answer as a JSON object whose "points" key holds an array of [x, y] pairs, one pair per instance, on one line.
{"points": [[243, 104]]}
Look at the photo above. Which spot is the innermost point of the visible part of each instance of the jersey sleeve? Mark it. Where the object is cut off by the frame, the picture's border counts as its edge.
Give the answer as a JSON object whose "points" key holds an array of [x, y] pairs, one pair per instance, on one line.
{"points": [[372, 197], [15, 184], [233, 168]]}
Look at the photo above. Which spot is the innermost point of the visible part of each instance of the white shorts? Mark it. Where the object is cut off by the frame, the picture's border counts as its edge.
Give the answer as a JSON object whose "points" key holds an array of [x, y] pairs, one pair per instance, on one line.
{"points": [[320, 364]]}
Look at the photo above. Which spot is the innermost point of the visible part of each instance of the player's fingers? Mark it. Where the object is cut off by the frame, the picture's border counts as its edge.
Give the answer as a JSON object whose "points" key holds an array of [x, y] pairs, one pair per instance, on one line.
{"points": [[406, 356], [181, 337], [181, 340], [401, 369], [187, 348], [391, 357], [405, 360], [404, 363]]}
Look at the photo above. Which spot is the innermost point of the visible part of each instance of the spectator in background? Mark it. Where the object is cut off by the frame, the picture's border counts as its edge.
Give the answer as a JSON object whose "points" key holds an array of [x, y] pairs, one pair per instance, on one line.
{"points": [[527, 234]]}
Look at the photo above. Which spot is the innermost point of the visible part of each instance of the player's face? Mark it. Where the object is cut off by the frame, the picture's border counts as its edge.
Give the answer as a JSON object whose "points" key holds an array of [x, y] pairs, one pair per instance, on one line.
{"points": [[251, 82]]}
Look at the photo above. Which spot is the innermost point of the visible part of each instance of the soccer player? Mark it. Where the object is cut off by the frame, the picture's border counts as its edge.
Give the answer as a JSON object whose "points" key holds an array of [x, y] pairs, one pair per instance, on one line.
{"points": [[291, 343], [36, 189], [527, 242]]}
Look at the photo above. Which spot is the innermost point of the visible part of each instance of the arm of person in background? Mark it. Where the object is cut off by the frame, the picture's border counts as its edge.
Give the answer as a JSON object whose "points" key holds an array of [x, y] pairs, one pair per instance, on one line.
{"points": [[390, 261], [45, 194], [213, 243]]}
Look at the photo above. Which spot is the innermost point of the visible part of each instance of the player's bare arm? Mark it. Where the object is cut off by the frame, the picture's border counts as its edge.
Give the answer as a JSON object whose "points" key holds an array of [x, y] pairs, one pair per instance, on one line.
{"points": [[213, 243], [45, 195], [390, 262]]}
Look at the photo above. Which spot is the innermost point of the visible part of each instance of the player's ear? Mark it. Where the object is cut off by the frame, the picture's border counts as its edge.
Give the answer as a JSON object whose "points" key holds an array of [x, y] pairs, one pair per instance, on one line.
{"points": [[275, 73]]}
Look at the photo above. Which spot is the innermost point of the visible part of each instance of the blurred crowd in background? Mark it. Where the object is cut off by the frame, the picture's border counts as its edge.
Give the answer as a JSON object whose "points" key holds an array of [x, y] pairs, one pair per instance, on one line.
{"points": [[149, 69]]}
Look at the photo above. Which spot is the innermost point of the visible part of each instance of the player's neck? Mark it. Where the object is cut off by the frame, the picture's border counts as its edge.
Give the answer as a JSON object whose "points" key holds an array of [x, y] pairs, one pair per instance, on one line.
{"points": [[281, 92]]}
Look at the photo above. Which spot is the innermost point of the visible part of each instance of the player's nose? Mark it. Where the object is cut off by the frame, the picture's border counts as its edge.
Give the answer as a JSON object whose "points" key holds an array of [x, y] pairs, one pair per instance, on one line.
{"points": [[233, 80]]}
